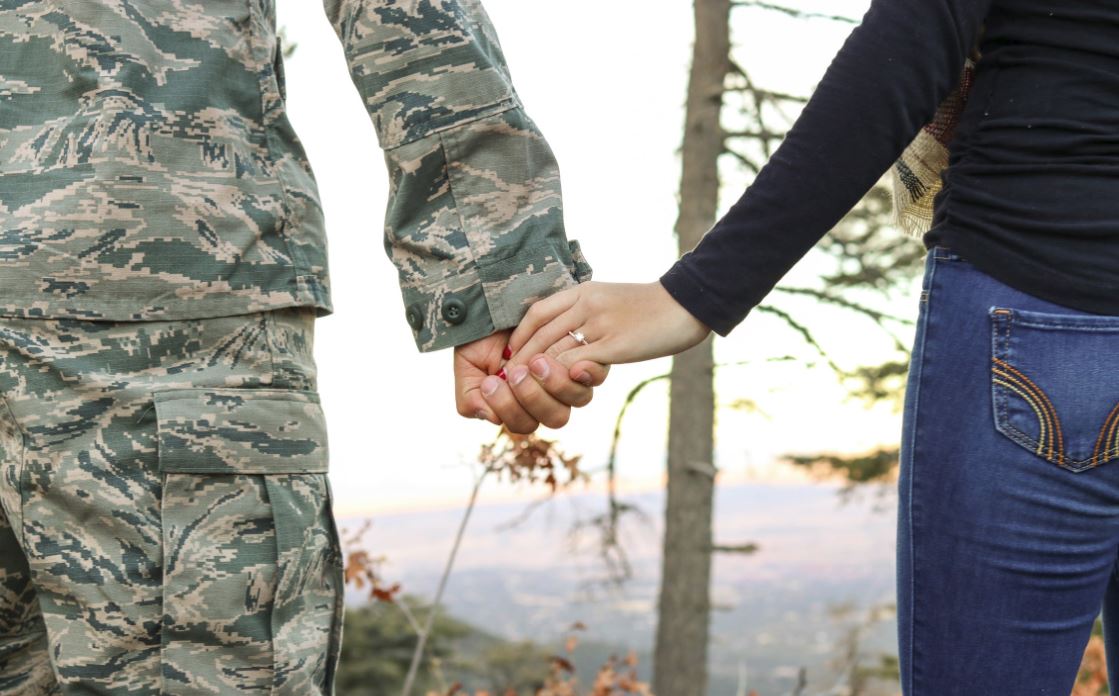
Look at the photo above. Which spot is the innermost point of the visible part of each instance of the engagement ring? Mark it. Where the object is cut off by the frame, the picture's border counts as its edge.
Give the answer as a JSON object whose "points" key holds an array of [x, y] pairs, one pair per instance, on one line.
{"points": [[578, 336]]}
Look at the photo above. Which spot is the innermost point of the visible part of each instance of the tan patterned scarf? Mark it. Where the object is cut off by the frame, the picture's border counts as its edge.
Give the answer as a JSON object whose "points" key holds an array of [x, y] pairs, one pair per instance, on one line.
{"points": [[916, 174]]}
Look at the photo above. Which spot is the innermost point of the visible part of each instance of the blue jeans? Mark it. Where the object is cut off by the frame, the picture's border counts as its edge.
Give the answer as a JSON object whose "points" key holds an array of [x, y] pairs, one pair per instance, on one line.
{"points": [[1008, 515]]}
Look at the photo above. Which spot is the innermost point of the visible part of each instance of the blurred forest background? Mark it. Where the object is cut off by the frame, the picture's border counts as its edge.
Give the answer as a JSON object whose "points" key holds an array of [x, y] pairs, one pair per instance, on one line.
{"points": [[697, 588]]}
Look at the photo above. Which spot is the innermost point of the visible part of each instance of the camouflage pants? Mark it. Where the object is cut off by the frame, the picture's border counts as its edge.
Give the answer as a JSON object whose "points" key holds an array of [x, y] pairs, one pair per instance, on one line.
{"points": [[165, 525]]}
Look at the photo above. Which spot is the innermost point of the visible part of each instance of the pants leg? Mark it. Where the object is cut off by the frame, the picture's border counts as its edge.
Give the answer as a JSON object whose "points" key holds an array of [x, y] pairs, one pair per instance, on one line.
{"points": [[1008, 518], [1111, 624], [24, 661], [174, 503]]}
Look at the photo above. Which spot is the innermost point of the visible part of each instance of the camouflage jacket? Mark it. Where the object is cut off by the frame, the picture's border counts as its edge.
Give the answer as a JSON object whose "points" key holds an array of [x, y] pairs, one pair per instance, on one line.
{"points": [[148, 169]]}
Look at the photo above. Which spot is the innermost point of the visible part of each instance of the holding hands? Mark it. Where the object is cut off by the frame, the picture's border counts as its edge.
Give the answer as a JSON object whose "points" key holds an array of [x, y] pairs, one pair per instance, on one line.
{"points": [[535, 374], [520, 396]]}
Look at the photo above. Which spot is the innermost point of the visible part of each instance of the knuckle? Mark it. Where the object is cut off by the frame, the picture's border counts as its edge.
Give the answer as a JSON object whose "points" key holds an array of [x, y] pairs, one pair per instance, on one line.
{"points": [[537, 314], [558, 420], [525, 389], [559, 383]]}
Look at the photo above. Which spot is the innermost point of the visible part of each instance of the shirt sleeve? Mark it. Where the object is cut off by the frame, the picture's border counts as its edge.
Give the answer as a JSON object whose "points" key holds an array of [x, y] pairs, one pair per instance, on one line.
{"points": [[475, 221], [883, 85]]}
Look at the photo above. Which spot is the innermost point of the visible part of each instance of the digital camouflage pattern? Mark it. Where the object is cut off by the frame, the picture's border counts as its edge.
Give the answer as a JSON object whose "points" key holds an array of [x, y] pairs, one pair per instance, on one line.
{"points": [[148, 169], [165, 515]]}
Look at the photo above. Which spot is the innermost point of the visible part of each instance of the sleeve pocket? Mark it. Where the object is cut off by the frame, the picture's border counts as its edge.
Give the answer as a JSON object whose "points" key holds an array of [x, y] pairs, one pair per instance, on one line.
{"points": [[241, 431], [1054, 387]]}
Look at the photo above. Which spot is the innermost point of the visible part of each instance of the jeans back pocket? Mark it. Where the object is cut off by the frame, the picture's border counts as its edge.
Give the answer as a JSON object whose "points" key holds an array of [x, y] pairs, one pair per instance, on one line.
{"points": [[1054, 384]]}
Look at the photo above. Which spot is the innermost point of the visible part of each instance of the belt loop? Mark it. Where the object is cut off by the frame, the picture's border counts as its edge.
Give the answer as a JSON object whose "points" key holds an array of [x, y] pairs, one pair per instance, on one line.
{"points": [[945, 253]]}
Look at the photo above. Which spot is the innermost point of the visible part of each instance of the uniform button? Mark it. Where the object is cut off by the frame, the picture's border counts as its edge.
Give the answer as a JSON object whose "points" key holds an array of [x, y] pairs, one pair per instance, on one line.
{"points": [[454, 310], [415, 316]]}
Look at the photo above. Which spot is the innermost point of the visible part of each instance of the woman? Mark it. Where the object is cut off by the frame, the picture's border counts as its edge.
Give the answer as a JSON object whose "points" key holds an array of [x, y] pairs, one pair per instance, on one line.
{"points": [[1008, 524]]}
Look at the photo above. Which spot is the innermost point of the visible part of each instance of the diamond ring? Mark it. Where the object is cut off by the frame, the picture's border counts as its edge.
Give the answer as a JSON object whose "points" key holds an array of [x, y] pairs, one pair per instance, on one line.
{"points": [[578, 336]]}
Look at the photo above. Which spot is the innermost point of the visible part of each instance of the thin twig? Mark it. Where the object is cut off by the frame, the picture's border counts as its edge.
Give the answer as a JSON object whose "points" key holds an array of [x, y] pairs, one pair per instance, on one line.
{"points": [[805, 333], [417, 655], [793, 12], [823, 295], [743, 160], [409, 614]]}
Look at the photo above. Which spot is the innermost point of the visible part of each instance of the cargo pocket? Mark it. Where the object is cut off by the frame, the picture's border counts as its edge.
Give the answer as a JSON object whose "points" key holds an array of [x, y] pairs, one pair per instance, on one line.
{"points": [[1054, 386], [252, 584]]}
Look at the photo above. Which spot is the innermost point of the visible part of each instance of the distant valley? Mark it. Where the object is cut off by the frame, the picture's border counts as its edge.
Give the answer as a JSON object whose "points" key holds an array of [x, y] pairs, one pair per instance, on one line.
{"points": [[775, 608]]}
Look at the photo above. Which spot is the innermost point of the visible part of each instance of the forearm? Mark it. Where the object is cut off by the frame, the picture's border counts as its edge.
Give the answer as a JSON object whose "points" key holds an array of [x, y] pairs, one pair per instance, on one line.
{"points": [[475, 220]]}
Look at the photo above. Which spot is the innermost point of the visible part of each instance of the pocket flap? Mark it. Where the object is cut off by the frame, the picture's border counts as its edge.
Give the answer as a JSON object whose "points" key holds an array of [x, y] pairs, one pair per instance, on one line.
{"points": [[241, 431]]}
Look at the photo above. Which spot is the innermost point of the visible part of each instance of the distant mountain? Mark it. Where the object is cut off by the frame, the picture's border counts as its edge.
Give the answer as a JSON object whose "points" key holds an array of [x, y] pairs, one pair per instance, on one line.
{"points": [[776, 608]]}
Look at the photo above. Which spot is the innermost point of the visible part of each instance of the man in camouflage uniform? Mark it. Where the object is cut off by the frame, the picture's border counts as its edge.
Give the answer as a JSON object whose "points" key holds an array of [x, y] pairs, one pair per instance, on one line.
{"points": [[165, 515]]}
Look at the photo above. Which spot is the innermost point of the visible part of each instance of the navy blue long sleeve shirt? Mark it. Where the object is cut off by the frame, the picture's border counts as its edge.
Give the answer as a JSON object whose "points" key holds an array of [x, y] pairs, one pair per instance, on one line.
{"points": [[1031, 193]]}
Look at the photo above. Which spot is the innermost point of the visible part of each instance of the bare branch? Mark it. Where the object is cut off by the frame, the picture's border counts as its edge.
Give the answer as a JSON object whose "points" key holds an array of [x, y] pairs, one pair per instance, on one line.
{"points": [[743, 160], [825, 296], [524, 514], [417, 655], [754, 134], [402, 604], [768, 94], [750, 547], [803, 331], [793, 12], [706, 468]]}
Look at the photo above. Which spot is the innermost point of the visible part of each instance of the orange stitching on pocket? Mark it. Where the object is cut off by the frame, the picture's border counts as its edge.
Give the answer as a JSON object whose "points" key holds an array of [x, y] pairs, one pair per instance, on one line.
{"points": [[1109, 424], [1112, 439], [1042, 418], [1048, 405]]}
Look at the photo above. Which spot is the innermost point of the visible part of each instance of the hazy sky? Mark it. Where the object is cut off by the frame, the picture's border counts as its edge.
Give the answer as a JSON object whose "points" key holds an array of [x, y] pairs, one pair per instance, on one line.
{"points": [[605, 81]]}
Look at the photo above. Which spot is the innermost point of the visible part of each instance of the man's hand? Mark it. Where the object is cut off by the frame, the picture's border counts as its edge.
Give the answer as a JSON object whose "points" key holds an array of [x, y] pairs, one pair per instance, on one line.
{"points": [[530, 395]]}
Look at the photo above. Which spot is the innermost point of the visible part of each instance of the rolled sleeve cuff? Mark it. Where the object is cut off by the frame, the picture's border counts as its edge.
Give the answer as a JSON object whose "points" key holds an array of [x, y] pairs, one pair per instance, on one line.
{"points": [[491, 297], [475, 223]]}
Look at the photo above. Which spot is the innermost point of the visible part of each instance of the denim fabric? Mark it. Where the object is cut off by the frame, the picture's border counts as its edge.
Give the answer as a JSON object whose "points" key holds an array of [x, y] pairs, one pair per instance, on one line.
{"points": [[1008, 515]]}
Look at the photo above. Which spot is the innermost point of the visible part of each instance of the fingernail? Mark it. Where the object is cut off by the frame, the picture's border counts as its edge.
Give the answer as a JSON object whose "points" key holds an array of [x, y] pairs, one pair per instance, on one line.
{"points": [[481, 415], [507, 353], [518, 375], [501, 374], [540, 368], [584, 379], [490, 385]]}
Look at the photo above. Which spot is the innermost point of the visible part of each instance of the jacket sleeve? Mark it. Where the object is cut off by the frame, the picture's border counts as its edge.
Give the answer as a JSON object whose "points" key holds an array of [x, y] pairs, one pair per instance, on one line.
{"points": [[474, 222]]}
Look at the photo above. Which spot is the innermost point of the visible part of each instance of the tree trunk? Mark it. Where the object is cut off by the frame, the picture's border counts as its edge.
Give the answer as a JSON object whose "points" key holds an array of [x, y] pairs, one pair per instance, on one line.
{"points": [[684, 607]]}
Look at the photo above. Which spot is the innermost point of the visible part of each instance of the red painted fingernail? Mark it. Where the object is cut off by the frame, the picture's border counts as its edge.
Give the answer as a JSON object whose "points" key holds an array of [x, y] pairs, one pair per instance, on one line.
{"points": [[501, 374], [507, 353]]}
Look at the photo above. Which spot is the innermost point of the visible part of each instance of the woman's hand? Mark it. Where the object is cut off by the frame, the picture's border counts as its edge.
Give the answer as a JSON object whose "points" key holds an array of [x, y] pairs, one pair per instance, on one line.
{"points": [[621, 322]]}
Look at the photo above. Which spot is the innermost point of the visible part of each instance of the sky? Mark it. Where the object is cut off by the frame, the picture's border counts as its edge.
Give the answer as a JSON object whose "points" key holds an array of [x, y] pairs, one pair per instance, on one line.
{"points": [[605, 82]]}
